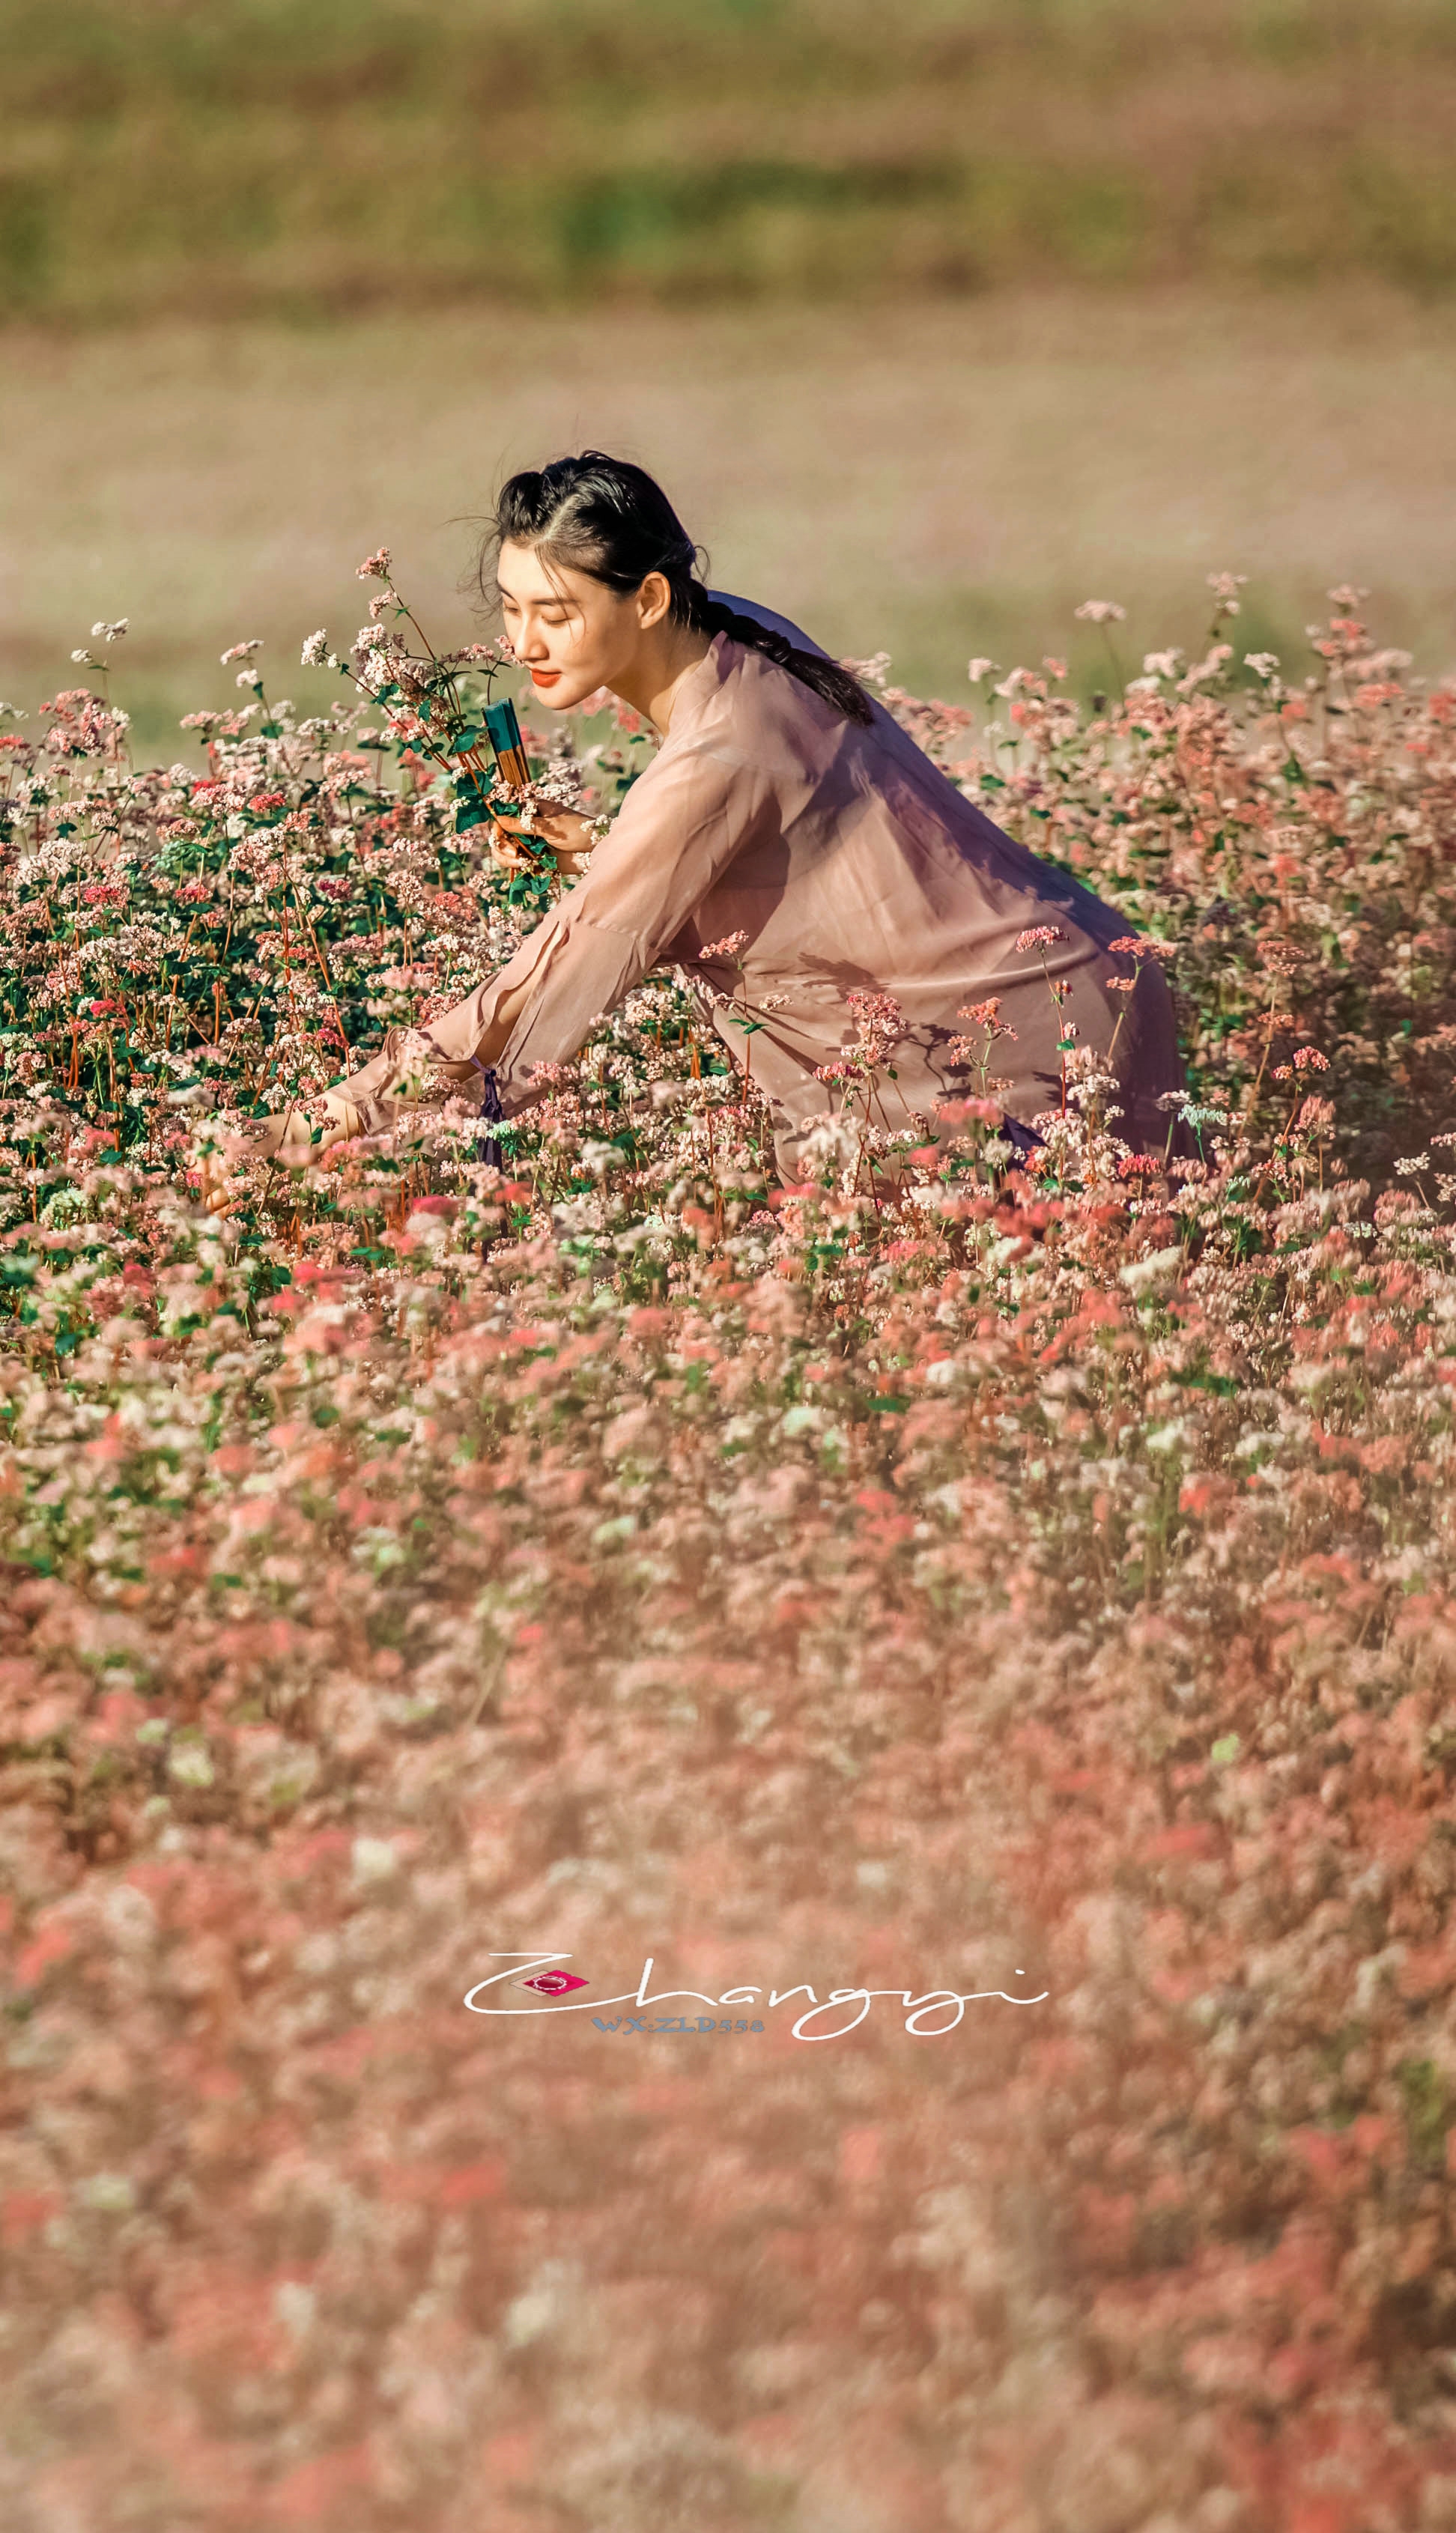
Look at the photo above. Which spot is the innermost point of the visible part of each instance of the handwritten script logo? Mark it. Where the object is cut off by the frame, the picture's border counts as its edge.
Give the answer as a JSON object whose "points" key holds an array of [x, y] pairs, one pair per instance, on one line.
{"points": [[947, 2001]]}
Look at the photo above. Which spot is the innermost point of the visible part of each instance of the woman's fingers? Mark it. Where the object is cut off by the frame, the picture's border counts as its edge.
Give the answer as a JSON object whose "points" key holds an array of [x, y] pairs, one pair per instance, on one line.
{"points": [[285, 1137], [563, 833], [345, 1120], [507, 845], [216, 1197]]}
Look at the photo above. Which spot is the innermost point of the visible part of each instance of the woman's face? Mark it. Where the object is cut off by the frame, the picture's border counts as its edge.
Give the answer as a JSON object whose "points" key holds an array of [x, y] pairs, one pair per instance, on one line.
{"points": [[574, 633]]}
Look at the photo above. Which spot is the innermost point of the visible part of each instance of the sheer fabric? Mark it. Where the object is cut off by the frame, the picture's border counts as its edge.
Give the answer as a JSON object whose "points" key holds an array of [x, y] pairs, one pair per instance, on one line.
{"points": [[851, 861]]}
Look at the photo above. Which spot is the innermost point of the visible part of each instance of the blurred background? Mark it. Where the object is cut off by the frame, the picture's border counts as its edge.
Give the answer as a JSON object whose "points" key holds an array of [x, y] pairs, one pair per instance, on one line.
{"points": [[934, 321]]}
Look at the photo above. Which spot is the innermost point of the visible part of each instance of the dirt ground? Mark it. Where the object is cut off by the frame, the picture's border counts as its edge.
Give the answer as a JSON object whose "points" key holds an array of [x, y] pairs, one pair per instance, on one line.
{"points": [[943, 479]]}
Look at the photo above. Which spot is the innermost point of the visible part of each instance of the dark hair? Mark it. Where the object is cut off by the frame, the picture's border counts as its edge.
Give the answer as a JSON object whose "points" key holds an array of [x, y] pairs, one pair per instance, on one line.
{"points": [[611, 519]]}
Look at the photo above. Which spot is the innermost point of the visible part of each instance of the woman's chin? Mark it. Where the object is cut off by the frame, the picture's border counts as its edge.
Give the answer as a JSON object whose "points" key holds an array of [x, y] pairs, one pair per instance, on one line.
{"points": [[570, 694]]}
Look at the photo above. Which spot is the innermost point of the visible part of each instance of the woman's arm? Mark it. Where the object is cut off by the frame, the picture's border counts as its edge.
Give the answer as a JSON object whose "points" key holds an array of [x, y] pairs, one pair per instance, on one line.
{"points": [[508, 1008], [678, 829]]}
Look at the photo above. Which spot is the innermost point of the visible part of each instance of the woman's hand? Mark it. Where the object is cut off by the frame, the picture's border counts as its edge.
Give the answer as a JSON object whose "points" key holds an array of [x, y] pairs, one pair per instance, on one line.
{"points": [[564, 834], [286, 1137]]}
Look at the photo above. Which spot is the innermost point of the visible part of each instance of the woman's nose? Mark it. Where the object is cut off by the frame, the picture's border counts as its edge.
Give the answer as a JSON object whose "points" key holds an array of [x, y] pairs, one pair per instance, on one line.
{"points": [[531, 642]]}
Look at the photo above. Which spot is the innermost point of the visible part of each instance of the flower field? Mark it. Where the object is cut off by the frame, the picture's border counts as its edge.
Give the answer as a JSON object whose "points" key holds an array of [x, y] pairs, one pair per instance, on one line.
{"points": [[591, 1548]]}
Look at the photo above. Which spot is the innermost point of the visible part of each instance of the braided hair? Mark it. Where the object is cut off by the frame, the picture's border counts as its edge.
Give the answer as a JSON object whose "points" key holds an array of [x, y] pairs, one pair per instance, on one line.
{"points": [[611, 520]]}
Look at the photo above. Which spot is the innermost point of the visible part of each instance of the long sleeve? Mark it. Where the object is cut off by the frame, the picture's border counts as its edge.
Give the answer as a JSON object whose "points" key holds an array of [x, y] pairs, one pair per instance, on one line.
{"points": [[846, 860], [681, 826]]}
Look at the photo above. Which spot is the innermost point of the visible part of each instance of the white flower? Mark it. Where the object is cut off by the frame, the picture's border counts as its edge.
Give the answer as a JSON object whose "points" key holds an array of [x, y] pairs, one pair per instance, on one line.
{"points": [[1262, 662], [241, 651], [374, 1860], [1162, 663], [316, 649], [104, 632], [978, 668], [83, 660], [1101, 610], [870, 673], [250, 678]]}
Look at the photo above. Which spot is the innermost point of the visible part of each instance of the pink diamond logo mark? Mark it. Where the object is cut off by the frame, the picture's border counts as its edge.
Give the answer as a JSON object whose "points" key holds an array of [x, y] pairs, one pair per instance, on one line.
{"points": [[554, 1982]]}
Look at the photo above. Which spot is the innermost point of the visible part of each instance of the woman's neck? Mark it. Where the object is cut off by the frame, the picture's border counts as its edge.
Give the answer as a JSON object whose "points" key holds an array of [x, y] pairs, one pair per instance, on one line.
{"points": [[650, 683]]}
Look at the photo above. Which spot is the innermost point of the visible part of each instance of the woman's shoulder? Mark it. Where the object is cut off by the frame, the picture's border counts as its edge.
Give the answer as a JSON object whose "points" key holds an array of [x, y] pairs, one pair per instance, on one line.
{"points": [[774, 623]]}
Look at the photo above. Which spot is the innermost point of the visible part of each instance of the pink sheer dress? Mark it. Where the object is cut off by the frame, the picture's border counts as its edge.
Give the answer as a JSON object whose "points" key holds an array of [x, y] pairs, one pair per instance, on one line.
{"points": [[851, 861]]}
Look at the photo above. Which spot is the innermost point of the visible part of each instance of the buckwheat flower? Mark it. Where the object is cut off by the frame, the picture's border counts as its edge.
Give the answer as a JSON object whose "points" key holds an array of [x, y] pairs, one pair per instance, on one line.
{"points": [[1309, 1060], [1162, 663], [375, 567], [870, 673], [241, 651], [1039, 936], [315, 652], [1101, 610], [104, 632], [250, 678], [13, 712], [1262, 662], [83, 660], [1121, 984], [727, 948], [978, 668]]}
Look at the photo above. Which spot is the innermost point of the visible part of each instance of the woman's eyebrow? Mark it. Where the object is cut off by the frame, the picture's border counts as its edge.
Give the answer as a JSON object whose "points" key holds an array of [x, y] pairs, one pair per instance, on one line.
{"points": [[544, 598]]}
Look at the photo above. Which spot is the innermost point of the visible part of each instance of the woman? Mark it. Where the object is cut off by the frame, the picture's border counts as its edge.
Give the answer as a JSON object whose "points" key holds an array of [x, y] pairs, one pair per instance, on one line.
{"points": [[786, 805]]}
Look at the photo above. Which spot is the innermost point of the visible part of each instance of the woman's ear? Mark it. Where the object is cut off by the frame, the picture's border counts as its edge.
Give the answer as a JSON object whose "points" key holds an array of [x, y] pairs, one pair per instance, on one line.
{"points": [[654, 599]]}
